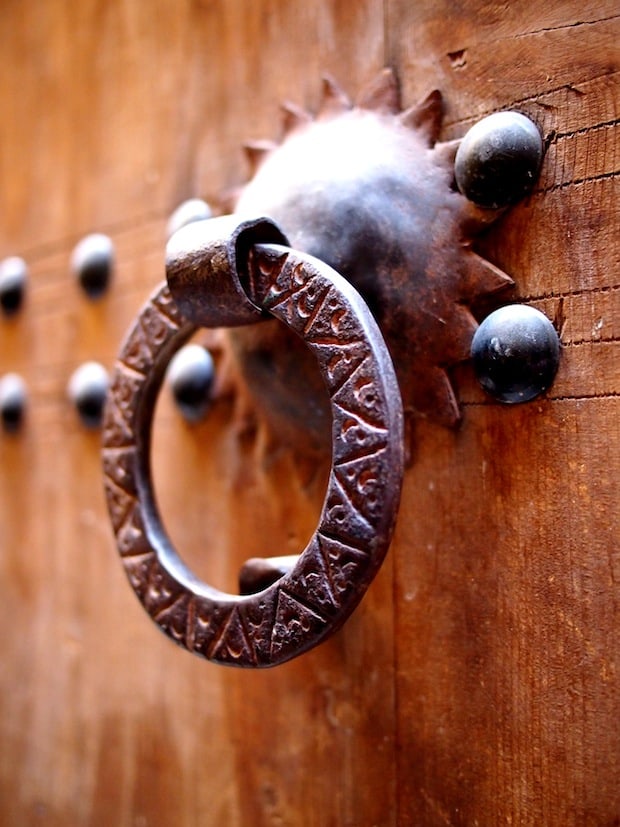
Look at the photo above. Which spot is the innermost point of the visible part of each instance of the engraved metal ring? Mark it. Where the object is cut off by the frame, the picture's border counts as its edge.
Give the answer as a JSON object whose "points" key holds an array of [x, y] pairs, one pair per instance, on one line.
{"points": [[316, 596]]}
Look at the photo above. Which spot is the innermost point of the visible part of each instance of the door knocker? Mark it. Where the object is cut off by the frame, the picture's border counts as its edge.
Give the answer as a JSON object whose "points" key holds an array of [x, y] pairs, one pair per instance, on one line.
{"points": [[369, 188], [222, 272], [367, 191]]}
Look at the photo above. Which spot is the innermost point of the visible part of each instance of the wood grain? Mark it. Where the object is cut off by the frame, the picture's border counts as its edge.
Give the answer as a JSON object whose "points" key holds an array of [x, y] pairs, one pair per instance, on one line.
{"points": [[478, 681], [113, 114], [508, 706]]}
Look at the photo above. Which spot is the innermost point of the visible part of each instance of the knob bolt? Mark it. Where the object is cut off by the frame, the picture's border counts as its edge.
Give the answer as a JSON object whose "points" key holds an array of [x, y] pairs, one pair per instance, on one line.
{"points": [[13, 277], [498, 160], [515, 352], [92, 262], [190, 378], [13, 399], [88, 389]]}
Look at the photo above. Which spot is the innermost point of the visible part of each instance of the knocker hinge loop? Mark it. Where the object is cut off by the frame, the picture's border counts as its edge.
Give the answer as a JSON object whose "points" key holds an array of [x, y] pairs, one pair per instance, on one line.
{"points": [[206, 265]]}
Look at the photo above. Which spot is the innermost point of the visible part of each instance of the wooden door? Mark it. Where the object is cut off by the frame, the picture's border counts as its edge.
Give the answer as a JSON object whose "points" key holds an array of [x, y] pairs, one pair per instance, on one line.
{"points": [[478, 683]]}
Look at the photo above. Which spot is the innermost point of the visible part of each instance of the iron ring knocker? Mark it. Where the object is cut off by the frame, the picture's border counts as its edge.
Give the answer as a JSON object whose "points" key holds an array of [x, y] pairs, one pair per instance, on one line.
{"points": [[221, 273]]}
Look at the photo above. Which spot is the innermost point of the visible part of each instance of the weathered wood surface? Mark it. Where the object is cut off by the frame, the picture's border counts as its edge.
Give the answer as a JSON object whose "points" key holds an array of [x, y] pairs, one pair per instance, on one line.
{"points": [[478, 682]]}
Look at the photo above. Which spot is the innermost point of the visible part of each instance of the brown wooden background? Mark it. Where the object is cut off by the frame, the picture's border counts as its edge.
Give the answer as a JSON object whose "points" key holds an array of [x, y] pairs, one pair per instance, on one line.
{"points": [[478, 683]]}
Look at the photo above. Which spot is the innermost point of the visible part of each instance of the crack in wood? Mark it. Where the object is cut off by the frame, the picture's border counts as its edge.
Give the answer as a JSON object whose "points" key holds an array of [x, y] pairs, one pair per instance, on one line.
{"points": [[576, 182], [535, 99], [563, 294], [549, 398], [585, 130], [566, 26]]}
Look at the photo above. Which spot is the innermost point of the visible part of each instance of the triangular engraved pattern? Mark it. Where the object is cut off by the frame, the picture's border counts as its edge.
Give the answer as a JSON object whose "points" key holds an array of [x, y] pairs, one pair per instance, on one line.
{"points": [[339, 362], [353, 436], [265, 286], [126, 387], [346, 565], [336, 325], [299, 307], [361, 478], [166, 305], [137, 353], [172, 618], [295, 624], [157, 327], [343, 520], [119, 466], [282, 280], [131, 537], [208, 625], [161, 591], [138, 571], [360, 394], [116, 432], [312, 584], [258, 617], [119, 503], [233, 645]]}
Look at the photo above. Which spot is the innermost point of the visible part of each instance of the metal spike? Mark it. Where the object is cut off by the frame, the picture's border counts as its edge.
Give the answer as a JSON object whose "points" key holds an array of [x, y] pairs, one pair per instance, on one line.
{"points": [[462, 328], [441, 398], [444, 152], [426, 117], [293, 117], [334, 101], [381, 94], [227, 199], [256, 152], [480, 277], [475, 219]]}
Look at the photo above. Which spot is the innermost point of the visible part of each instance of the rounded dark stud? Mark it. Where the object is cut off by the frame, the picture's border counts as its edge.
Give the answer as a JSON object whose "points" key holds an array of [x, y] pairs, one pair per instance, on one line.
{"points": [[194, 209], [190, 378], [515, 352], [13, 399], [13, 277], [88, 389], [498, 160], [92, 262]]}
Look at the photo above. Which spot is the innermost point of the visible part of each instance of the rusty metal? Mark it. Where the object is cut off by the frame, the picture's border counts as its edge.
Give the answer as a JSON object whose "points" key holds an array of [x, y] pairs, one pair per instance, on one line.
{"points": [[205, 264], [498, 160], [92, 263], [13, 402], [258, 573], [194, 209], [190, 377], [13, 279], [87, 390], [516, 353], [369, 189], [312, 599]]}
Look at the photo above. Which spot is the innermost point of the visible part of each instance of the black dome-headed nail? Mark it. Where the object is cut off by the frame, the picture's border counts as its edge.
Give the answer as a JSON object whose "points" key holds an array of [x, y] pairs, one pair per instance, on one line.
{"points": [[92, 262], [498, 160], [13, 278], [13, 399], [516, 352], [88, 389], [190, 378]]}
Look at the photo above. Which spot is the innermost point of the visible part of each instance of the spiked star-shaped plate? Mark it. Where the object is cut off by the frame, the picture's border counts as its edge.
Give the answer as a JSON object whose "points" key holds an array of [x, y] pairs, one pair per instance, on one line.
{"points": [[369, 189]]}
